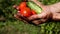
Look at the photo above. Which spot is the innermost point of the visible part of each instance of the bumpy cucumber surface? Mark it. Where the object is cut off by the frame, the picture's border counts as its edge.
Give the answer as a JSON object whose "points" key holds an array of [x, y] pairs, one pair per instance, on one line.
{"points": [[35, 7]]}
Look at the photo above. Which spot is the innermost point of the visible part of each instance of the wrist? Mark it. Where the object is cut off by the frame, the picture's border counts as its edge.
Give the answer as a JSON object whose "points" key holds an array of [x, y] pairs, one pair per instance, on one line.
{"points": [[55, 7]]}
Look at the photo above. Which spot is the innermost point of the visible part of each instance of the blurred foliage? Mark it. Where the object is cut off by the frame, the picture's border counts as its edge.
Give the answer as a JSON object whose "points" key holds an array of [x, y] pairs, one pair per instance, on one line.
{"points": [[48, 2], [11, 26], [6, 8]]}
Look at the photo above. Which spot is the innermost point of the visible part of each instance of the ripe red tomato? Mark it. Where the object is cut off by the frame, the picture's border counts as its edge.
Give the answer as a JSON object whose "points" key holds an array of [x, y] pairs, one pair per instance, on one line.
{"points": [[22, 5], [26, 12], [33, 12]]}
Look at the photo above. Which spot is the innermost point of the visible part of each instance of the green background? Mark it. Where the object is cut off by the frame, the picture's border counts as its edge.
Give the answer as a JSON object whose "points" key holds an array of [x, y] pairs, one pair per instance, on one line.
{"points": [[13, 26]]}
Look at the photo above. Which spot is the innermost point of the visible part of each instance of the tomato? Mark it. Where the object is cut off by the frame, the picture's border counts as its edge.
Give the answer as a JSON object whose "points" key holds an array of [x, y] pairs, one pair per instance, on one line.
{"points": [[26, 12], [22, 5], [33, 12]]}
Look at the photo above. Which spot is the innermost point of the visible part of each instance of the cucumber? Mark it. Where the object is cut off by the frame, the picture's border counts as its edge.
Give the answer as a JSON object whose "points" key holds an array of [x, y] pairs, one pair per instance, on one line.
{"points": [[35, 7]]}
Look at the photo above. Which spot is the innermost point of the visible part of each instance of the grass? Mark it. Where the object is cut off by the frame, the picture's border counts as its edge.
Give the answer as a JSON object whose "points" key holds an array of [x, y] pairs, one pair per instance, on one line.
{"points": [[18, 27]]}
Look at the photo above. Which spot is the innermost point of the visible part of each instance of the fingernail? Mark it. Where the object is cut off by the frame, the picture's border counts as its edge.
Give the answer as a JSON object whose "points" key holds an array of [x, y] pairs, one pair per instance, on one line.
{"points": [[18, 11], [14, 6], [17, 8]]}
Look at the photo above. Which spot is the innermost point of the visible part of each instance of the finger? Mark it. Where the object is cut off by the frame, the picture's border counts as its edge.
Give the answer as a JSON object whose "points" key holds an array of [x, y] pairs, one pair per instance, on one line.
{"points": [[22, 17], [17, 17], [39, 16], [18, 13], [16, 7], [37, 22]]}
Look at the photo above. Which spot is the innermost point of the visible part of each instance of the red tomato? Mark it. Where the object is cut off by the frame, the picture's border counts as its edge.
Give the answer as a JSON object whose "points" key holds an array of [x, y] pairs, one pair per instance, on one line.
{"points": [[33, 12], [22, 5], [26, 12]]}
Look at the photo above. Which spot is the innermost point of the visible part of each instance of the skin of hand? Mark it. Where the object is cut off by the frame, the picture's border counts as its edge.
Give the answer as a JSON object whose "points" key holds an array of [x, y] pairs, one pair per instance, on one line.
{"points": [[48, 12]]}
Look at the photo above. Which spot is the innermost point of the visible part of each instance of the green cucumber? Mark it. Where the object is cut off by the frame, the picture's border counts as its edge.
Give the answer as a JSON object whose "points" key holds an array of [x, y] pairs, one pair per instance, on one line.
{"points": [[35, 7]]}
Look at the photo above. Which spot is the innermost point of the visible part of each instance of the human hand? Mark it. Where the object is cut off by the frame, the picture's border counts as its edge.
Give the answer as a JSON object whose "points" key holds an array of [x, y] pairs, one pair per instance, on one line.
{"points": [[47, 12], [44, 15], [51, 11]]}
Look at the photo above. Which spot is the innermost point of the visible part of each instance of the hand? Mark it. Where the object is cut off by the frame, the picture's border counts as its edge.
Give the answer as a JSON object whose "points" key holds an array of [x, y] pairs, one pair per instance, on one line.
{"points": [[51, 11], [47, 12], [43, 16]]}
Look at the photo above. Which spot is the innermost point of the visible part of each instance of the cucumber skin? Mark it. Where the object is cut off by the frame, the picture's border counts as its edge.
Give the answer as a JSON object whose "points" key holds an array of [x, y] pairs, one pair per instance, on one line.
{"points": [[34, 7]]}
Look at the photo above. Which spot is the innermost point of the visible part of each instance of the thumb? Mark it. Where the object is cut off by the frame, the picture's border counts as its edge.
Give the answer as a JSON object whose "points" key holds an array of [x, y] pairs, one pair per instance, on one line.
{"points": [[38, 16]]}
